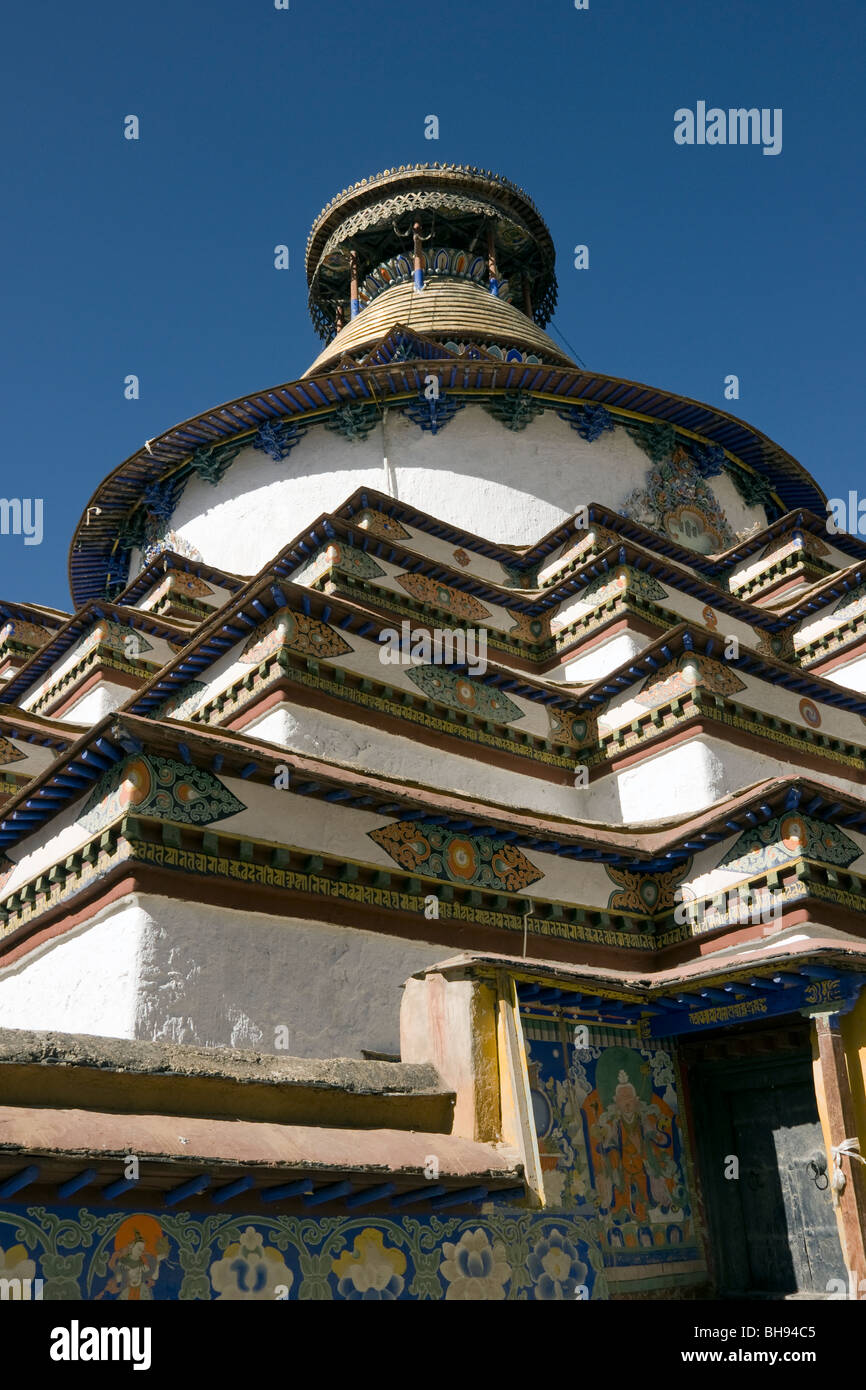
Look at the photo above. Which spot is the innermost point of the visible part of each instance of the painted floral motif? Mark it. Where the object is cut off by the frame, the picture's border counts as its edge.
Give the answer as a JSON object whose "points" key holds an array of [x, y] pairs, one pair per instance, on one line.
{"points": [[476, 861], [117, 637], [527, 629], [598, 538], [678, 501], [519, 576], [462, 558], [515, 409], [790, 837], [556, 1268], [635, 581], [15, 1264], [442, 596], [685, 674], [779, 645], [810, 713], [371, 1270], [173, 541], [189, 585], [464, 693], [346, 559], [475, 1269], [605, 587], [369, 519], [250, 1270], [850, 605], [159, 787], [82, 1253], [573, 729], [645, 892], [24, 634], [183, 703], [300, 634], [9, 753]]}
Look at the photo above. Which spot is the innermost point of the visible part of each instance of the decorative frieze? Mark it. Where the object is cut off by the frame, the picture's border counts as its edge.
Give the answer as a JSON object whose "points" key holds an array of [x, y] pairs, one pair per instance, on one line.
{"points": [[354, 421], [515, 410], [465, 859], [277, 438], [433, 412]]}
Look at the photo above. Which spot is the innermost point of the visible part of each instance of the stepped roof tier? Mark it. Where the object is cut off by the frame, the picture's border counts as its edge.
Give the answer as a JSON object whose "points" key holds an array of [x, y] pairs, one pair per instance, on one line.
{"points": [[485, 733]]}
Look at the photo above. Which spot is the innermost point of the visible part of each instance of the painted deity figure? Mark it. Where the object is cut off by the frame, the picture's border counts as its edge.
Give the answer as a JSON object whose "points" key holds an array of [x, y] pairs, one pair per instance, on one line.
{"points": [[630, 1140], [133, 1271]]}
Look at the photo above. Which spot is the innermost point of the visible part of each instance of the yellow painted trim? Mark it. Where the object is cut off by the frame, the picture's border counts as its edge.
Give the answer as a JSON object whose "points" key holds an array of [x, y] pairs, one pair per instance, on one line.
{"points": [[518, 1124]]}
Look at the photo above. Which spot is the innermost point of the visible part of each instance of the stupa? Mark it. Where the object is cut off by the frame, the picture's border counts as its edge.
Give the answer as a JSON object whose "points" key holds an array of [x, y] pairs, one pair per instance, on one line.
{"points": [[433, 844]]}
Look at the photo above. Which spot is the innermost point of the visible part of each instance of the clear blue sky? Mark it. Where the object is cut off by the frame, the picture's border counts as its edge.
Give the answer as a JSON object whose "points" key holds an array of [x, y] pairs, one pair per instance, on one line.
{"points": [[156, 257]]}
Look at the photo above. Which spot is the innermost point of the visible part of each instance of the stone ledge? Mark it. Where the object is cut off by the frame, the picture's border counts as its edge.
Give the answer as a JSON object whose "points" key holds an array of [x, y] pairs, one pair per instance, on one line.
{"points": [[124, 1076]]}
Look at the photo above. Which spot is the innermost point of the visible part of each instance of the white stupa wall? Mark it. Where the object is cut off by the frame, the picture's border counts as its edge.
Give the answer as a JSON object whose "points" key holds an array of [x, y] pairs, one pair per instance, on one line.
{"points": [[510, 487], [357, 745], [151, 967], [686, 778]]}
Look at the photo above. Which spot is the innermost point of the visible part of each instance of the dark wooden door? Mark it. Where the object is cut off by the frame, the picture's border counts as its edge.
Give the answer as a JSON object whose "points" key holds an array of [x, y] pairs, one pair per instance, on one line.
{"points": [[773, 1229]]}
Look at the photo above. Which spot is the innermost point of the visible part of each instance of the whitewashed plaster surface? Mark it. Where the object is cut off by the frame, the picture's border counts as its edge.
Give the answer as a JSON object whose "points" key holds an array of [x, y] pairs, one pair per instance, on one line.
{"points": [[36, 758], [157, 654], [507, 487], [599, 660], [100, 700], [687, 777], [357, 745], [423, 543], [833, 615], [852, 675], [215, 976], [87, 981], [154, 968]]}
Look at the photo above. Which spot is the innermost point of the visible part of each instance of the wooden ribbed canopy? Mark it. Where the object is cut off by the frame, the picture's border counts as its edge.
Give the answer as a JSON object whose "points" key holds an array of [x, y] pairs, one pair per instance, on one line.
{"points": [[445, 310]]}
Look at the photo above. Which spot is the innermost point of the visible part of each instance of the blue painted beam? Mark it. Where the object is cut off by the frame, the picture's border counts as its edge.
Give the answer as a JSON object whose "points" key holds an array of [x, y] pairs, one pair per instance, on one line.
{"points": [[368, 1195], [332, 1193], [23, 1178], [419, 1194], [459, 1199], [117, 1189], [286, 1190], [187, 1189], [232, 1189], [72, 1185]]}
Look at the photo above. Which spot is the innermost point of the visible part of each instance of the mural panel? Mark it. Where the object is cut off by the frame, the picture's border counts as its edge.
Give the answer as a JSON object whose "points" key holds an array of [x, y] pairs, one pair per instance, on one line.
{"points": [[610, 1140], [502, 1253]]}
